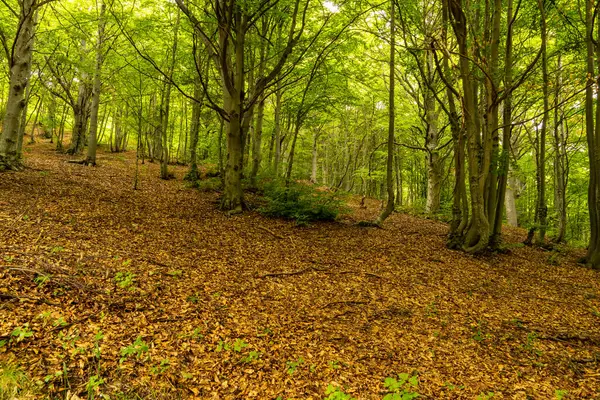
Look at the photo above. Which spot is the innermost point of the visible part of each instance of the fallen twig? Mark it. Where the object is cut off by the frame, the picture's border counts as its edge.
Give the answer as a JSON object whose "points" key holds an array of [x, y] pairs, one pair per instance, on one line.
{"points": [[276, 274], [271, 232], [14, 268], [8, 296]]}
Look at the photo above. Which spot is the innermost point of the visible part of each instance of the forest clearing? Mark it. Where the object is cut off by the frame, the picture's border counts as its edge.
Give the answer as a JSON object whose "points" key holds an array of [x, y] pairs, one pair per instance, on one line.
{"points": [[154, 293]]}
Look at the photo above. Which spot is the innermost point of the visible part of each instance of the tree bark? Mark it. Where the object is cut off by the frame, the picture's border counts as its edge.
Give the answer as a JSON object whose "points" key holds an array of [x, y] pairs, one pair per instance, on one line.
{"points": [[560, 161], [80, 113], [277, 133], [460, 208], [258, 129], [23, 119], [503, 168], [20, 70], [477, 236], [95, 106], [391, 123], [593, 136], [510, 204], [165, 108], [193, 175], [542, 206]]}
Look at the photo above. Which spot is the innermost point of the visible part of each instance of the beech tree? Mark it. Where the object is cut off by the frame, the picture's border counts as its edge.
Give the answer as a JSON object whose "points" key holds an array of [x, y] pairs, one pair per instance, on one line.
{"points": [[18, 52], [235, 23]]}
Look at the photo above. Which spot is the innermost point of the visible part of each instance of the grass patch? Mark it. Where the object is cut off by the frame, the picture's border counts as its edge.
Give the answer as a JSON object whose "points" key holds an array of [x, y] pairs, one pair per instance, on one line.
{"points": [[14, 383]]}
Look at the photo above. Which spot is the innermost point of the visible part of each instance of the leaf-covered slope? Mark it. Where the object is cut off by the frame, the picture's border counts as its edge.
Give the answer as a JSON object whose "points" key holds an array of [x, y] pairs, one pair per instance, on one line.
{"points": [[191, 303]]}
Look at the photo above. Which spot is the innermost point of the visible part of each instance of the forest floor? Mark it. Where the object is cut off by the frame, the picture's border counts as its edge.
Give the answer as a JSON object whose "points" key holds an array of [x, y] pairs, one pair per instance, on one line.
{"points": [[154, 293]]}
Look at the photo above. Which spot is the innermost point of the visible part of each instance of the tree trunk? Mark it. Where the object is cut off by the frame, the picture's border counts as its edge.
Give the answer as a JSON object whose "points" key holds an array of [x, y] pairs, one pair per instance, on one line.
{"points": [[20, 70], [277, 156], [61, 129], [434, 172], [477, 236], [193, 175], [542, 206], [79, 113], [165, 108], [503, 168], [23, 121], [288, 174], [232, 199], [92, 142], [510, 201], [391, 123], [37, 110], [490, 169], [314, 164], [593, 255], [560, 161], [460, 210], [257, 142]]}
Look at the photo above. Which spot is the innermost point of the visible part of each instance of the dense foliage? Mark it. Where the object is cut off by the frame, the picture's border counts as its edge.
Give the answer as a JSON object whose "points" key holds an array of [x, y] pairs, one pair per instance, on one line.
{"points": [[302, 203]]}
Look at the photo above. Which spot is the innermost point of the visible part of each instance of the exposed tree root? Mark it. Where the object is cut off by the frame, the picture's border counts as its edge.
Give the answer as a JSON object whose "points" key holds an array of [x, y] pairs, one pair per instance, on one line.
{"points": [[7, 164], [369, 224]]}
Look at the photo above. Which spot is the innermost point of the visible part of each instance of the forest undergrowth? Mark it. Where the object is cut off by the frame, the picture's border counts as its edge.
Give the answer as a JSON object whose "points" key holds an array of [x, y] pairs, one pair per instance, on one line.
{"points": [[154, 293]]}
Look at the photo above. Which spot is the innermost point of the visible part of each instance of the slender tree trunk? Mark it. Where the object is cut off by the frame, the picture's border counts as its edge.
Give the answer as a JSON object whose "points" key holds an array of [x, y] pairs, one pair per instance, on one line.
{"points": [[288, 174], [257, 142], [391, 123], [166, 106], [220, 140], [37, 109], [314, 163], [460, 210], [434, 173], [593, 253], [92, 142], [560, 162], [193, 175], [79, 113], [503, 168], [50, 128], [102, 125], [278, 96], [258, 129], [434, 178], [61, 129], [490, 167], [542, 206], [510, 201], [24, 117], [593, 136]]}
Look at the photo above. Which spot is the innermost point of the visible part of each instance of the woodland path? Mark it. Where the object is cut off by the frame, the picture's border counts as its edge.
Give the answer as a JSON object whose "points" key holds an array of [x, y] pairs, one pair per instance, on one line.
{"points": [[362, 304]]}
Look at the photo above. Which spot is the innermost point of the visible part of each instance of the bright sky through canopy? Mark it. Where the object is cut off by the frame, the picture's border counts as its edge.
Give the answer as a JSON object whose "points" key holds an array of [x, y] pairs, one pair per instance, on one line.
{"points": [[331, 6]]}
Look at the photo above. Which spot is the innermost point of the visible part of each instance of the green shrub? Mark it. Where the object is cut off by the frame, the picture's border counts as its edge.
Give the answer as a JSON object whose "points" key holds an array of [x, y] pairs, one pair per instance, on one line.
{"points": [[302, 203], [208, 185]]}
